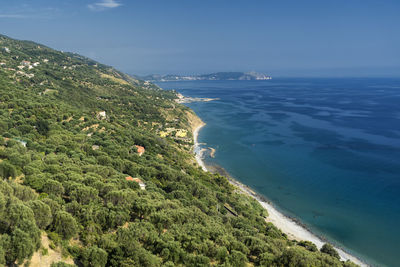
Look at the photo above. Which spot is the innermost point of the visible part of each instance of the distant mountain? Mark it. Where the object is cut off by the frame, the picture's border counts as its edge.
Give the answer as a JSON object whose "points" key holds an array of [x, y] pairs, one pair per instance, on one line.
{"points": [[218, 76]]}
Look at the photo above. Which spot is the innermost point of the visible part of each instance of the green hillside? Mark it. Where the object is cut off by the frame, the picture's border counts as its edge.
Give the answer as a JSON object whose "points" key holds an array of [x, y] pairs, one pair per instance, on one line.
{"points": [[71, 130]]}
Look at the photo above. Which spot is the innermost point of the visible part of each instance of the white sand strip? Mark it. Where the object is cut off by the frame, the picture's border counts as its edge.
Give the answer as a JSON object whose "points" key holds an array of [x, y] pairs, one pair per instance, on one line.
{"points": [[197, 149]]}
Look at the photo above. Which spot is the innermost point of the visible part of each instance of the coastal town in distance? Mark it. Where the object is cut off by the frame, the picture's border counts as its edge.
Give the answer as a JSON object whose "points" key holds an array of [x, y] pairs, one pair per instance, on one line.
{"points": [[218, 76]]}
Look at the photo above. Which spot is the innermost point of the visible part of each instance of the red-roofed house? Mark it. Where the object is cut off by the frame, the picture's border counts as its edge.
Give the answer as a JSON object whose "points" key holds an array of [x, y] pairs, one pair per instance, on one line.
{"points": [[140, 150], [137, 180], [129, 178]]}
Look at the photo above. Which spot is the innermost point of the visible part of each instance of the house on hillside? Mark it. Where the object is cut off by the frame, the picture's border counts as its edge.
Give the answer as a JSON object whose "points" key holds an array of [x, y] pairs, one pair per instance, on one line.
{"points": [[140, 150], [137, 180], [25, 74], [101, 115]]}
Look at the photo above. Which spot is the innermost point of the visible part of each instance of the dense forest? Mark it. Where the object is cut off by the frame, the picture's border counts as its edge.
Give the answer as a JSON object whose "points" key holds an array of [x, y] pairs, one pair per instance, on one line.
{"points": [[88, 180]]}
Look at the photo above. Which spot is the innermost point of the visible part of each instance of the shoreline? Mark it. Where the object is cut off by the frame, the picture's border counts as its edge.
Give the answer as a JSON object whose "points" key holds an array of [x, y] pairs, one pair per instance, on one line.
{"points": [[292, 228], [196, 147]]}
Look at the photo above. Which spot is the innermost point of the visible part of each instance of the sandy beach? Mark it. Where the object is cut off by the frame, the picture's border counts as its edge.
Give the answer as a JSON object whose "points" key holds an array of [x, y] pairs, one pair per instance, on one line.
{"points": [[198, 152], [287, 225], [196, 124]]}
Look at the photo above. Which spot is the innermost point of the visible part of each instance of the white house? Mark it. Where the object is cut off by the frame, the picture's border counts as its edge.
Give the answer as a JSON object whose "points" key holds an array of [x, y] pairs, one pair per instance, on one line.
{"points": [[101, 115]]}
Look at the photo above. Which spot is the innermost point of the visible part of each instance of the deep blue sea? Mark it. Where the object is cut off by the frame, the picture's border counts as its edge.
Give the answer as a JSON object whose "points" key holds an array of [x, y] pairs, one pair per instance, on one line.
{"points": [[326, 151]]}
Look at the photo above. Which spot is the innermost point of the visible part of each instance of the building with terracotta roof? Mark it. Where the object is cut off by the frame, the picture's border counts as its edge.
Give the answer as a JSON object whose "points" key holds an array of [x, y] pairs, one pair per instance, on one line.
{"points": [[129, 178], [140, 150], [137, 180]]}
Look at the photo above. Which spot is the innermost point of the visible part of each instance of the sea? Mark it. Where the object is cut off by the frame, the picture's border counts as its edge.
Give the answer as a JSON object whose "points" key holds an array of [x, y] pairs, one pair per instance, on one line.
{"points": [[323, 151]]}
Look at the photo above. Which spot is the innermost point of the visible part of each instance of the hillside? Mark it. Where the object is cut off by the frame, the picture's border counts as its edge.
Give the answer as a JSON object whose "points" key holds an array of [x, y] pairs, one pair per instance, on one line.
{"points": [[218, 76], [86, 167]]}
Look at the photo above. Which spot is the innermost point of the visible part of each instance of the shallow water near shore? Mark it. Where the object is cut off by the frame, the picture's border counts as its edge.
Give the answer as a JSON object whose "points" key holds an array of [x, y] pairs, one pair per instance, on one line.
{"points": [[325, 151]]}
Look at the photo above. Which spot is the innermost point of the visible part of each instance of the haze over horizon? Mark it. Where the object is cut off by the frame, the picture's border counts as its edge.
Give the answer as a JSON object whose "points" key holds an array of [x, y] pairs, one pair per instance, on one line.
{"points": [[291, 38]]}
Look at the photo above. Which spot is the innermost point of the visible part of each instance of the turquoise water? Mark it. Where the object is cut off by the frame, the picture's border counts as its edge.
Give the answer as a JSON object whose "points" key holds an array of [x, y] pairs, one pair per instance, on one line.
{"points": [[326, 151]]}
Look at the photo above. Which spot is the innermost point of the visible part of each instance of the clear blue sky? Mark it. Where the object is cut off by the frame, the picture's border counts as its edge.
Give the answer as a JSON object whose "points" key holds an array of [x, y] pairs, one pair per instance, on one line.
{"points": [[280, 37]]}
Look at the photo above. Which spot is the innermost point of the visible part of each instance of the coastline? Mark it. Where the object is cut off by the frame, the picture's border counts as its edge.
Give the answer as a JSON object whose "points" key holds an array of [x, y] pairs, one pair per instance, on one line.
{"points": [[293, 229], [198, 152], [196, 124]]}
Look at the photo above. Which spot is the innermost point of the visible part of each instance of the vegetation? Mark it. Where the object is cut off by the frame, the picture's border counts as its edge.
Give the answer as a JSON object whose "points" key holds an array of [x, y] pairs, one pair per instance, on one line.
{"points": [[70, 129], [328, 249]]}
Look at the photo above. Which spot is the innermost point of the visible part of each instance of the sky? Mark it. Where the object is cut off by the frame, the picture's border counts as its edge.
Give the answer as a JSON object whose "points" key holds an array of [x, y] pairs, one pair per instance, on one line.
{"points": [[359, 38]]}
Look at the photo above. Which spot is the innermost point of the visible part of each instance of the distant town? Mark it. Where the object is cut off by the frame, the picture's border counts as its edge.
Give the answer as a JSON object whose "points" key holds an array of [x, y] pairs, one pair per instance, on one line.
{"points": [[207, 77]]}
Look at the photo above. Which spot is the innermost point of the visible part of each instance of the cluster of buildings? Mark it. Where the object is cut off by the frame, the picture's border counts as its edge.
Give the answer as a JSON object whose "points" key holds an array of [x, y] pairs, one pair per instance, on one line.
{"points": [[28, 65], [24, 64]]}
